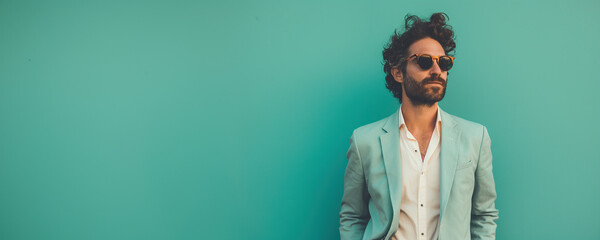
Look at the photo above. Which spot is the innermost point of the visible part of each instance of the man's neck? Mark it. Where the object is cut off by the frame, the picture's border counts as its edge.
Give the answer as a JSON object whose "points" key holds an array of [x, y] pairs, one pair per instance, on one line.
{"points": [[419, 118]]}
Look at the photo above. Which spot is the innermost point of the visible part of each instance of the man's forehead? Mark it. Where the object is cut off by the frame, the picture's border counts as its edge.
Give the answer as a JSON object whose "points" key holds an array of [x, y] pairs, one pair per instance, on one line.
{"points": [[426, 46]]}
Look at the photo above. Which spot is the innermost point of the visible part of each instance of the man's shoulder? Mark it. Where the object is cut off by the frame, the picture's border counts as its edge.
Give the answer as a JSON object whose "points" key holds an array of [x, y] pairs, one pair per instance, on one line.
{"points": [[373, 129], [466, 127], [366, 137], [464, 123], [376, 126]]}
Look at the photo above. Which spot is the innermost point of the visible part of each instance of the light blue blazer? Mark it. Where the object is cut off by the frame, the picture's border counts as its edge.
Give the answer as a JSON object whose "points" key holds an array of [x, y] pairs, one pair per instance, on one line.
{"points": [[370, 205]]}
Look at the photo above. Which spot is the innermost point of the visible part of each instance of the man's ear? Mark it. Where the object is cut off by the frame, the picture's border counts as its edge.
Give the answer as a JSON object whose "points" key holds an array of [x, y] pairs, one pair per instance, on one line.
{"points": [[397, 74]]}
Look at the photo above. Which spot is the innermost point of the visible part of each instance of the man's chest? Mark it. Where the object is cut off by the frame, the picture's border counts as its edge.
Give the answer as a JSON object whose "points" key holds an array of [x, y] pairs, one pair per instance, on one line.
{"points": [[423, 141]]}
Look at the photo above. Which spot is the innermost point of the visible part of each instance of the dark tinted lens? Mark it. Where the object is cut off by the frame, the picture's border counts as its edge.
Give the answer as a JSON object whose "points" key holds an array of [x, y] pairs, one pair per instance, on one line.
{"points": [[424, 62], [445, 63]]}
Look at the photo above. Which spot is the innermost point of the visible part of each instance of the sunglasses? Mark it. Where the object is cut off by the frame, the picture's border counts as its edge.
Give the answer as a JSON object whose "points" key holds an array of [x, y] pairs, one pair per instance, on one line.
{"points": [[426, 61]]}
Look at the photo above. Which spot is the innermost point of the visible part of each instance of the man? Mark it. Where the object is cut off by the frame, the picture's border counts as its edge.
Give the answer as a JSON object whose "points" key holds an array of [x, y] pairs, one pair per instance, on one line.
{"points": [[420, 173]]}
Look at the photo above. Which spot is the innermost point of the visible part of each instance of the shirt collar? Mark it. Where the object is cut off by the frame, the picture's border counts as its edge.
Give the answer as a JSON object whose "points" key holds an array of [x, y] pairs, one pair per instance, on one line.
{"points": [[438, 120]]}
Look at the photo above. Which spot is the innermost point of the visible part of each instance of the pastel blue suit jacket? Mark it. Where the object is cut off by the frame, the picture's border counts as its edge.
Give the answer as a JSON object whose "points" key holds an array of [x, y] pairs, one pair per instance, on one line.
{"points": [[370, 205]]}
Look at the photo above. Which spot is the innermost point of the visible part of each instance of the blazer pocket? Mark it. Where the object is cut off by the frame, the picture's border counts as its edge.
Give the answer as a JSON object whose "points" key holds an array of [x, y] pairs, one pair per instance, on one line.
{"points": [[464, 165]]}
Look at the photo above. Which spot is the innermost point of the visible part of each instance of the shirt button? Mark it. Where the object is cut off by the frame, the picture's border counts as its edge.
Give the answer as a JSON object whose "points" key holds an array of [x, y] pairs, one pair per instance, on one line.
{"points": [[421, 204], [422, 234], [415, 150]]}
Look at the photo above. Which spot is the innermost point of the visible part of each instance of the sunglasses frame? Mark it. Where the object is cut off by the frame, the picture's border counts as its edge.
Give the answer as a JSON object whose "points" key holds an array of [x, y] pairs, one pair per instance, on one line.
{"points": [[433, 58]]}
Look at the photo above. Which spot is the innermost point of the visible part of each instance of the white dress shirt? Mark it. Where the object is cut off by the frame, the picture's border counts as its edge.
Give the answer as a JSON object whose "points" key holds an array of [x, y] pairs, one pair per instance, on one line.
{"points": [[420, 203]]}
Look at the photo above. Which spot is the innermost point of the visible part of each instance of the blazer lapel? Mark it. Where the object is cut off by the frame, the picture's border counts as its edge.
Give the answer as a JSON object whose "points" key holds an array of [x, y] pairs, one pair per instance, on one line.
{"points": [[390, 147], [448, 158]]}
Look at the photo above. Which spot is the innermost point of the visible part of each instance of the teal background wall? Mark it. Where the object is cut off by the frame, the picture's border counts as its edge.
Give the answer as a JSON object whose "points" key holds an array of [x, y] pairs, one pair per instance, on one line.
{"points": [[231, 119]]}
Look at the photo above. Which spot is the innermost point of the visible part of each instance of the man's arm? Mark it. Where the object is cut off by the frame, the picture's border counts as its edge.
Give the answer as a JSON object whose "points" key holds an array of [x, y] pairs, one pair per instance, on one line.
{"points": [[484, 212], [354, 214]]}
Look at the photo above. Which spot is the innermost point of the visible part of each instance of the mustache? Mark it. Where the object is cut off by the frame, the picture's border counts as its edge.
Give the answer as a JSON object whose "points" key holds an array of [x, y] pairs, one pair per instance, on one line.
{"points": [[434, 80]]}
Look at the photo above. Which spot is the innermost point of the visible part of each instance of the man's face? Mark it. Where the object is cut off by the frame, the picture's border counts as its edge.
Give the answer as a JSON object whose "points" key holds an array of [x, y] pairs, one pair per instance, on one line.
{"points": [[424, 87]]}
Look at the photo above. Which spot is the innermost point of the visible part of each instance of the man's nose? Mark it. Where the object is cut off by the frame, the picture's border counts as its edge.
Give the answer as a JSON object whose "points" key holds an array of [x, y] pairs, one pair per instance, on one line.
{"points": [[435, 69]]}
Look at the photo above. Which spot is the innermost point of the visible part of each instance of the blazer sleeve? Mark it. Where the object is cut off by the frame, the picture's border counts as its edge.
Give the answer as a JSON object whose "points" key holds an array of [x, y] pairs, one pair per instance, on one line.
{"points": [[484, 212], [354, 214]]}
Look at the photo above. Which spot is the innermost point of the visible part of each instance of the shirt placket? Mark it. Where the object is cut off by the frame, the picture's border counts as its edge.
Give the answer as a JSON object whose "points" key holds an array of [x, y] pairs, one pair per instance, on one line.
{"points": [[421, 191]]}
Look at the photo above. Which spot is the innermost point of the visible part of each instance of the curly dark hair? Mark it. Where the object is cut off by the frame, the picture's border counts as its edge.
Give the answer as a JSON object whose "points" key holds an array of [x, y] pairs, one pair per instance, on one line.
{"points": [[396, 51]]}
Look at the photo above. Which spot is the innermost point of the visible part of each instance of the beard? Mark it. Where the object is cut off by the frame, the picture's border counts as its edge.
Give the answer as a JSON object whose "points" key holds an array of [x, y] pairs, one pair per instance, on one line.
{"points": [[420, 94]]}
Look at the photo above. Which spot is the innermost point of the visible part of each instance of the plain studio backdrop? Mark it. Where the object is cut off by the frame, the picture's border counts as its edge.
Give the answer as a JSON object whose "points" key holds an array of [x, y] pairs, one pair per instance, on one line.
{"points": [[231, 119]]}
